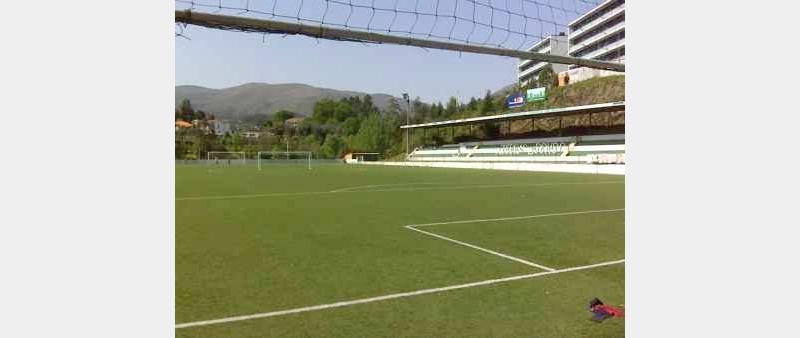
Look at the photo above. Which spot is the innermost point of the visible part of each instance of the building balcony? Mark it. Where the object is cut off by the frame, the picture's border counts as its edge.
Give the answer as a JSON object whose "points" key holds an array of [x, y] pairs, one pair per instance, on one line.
{"points": [[532, 70], [600, 36], [596, 22], [605, 49]]}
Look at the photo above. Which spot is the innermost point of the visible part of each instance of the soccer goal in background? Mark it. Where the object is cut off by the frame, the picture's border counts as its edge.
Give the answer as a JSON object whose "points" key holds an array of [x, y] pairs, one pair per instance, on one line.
{"points": [[266, 158], [226, 157]]}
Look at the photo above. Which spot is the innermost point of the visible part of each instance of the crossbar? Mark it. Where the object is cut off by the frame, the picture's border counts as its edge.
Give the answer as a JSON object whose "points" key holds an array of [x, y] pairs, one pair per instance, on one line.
{"points": [[227, 22]]}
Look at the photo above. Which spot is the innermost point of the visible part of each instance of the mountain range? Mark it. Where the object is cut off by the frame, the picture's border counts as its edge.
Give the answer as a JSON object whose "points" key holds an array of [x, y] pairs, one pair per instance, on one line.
{"points": [[262, 98]]}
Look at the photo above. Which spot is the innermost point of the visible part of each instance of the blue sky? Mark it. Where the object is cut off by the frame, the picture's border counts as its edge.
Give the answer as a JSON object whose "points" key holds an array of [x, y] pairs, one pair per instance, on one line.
{"points": [[219, 59]]}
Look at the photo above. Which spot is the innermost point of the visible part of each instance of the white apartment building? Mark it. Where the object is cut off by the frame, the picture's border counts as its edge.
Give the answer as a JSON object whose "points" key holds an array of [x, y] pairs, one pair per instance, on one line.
{"points": [[529, 69], [600, 33]]}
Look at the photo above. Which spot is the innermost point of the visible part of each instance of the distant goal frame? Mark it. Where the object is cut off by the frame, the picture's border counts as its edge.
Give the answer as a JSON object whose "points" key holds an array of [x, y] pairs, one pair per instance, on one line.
{"points": [[308, 154]]}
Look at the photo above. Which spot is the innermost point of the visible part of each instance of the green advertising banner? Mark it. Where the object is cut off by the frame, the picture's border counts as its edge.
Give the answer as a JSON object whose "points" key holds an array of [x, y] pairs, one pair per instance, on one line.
{"points": [[537, 94]]}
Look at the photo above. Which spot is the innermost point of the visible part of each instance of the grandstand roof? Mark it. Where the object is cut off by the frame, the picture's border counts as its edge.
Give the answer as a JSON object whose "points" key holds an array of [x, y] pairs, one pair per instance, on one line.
{"points": [[592, 108]]}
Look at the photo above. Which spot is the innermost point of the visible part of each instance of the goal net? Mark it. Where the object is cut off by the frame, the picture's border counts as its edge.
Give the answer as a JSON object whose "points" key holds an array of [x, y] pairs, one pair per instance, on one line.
{"points": [[266, 158], [226, 158], [493, 27]]}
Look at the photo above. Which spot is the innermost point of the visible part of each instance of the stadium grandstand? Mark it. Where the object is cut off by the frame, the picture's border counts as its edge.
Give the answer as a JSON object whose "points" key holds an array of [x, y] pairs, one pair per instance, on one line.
{"points": [[519, 141]]}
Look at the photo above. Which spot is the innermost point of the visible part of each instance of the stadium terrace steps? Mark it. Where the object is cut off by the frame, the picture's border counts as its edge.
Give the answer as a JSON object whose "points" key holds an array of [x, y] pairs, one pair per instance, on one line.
{"points": [[574, 149]]}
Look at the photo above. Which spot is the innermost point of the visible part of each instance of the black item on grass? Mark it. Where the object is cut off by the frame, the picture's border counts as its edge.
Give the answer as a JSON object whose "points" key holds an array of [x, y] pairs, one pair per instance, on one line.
{"points": [[595, 302]]}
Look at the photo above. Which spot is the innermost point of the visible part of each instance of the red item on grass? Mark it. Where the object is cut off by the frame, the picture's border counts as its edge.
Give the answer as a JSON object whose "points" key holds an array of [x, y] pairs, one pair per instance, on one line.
{"points": [[611, 310]]}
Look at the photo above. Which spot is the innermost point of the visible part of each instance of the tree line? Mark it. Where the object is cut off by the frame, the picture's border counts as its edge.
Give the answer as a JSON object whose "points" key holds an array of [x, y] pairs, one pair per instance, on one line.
{"points": [[337, 126]]}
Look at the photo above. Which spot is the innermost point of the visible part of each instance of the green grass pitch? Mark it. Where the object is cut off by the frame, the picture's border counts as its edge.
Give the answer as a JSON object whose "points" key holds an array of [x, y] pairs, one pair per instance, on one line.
{"points": [[254, 242]]}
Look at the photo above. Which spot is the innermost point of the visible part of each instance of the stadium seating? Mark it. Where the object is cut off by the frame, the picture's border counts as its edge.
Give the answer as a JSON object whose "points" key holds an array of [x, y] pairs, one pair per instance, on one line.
{"points": [[606, 149]]}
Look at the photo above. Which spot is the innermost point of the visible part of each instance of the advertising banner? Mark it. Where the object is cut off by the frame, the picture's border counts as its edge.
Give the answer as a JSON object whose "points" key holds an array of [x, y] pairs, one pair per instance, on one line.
{"points": [[515, 100], [537, 94]]}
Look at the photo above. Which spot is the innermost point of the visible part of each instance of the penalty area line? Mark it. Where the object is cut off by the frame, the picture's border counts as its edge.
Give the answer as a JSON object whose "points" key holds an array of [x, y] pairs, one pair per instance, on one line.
{"points": [[391, 296], [380, 185], [518, 260], [519, 217]]}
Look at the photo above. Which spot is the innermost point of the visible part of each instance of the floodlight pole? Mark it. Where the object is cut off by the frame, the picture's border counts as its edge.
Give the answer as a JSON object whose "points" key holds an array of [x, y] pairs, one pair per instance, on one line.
{"points": [[408, 119]]}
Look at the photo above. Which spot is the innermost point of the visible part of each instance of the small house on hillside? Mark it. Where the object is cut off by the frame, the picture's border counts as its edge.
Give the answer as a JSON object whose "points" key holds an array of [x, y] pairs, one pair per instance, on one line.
{"points": [[182, 124], [251, 134], [294, 122]]}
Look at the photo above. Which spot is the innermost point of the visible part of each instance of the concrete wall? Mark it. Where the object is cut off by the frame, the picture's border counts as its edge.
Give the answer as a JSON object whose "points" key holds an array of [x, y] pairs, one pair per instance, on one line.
{"points": [[583, 73], [611, 169], [559, 46]]}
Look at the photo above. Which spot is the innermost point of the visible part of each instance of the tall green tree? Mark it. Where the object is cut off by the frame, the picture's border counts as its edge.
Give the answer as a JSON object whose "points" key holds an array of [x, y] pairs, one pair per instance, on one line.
{"points": [[369, 107], [472, 105], [186, 110], [311, 143], [394, 107], [547, 77], [373, 135], [279, 117], [420, 110], [363, 107], [324, 110], [234, 142], [333, 147], [487, 104], [185, 107], [343, 111], [351, 125], [452, 107], [436, 111]]}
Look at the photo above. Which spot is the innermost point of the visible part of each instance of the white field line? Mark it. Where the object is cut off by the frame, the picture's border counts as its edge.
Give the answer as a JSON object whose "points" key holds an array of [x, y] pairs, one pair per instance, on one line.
{"points": [[376, 185], [518, 217], [519, 260], [483, 186], [391, 296], [472, 186], [251, 195]]}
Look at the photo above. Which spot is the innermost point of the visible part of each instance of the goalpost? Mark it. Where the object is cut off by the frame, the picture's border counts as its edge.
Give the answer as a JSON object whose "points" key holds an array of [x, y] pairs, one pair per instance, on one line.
{"points": [[289, 156], [226, 157]]}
